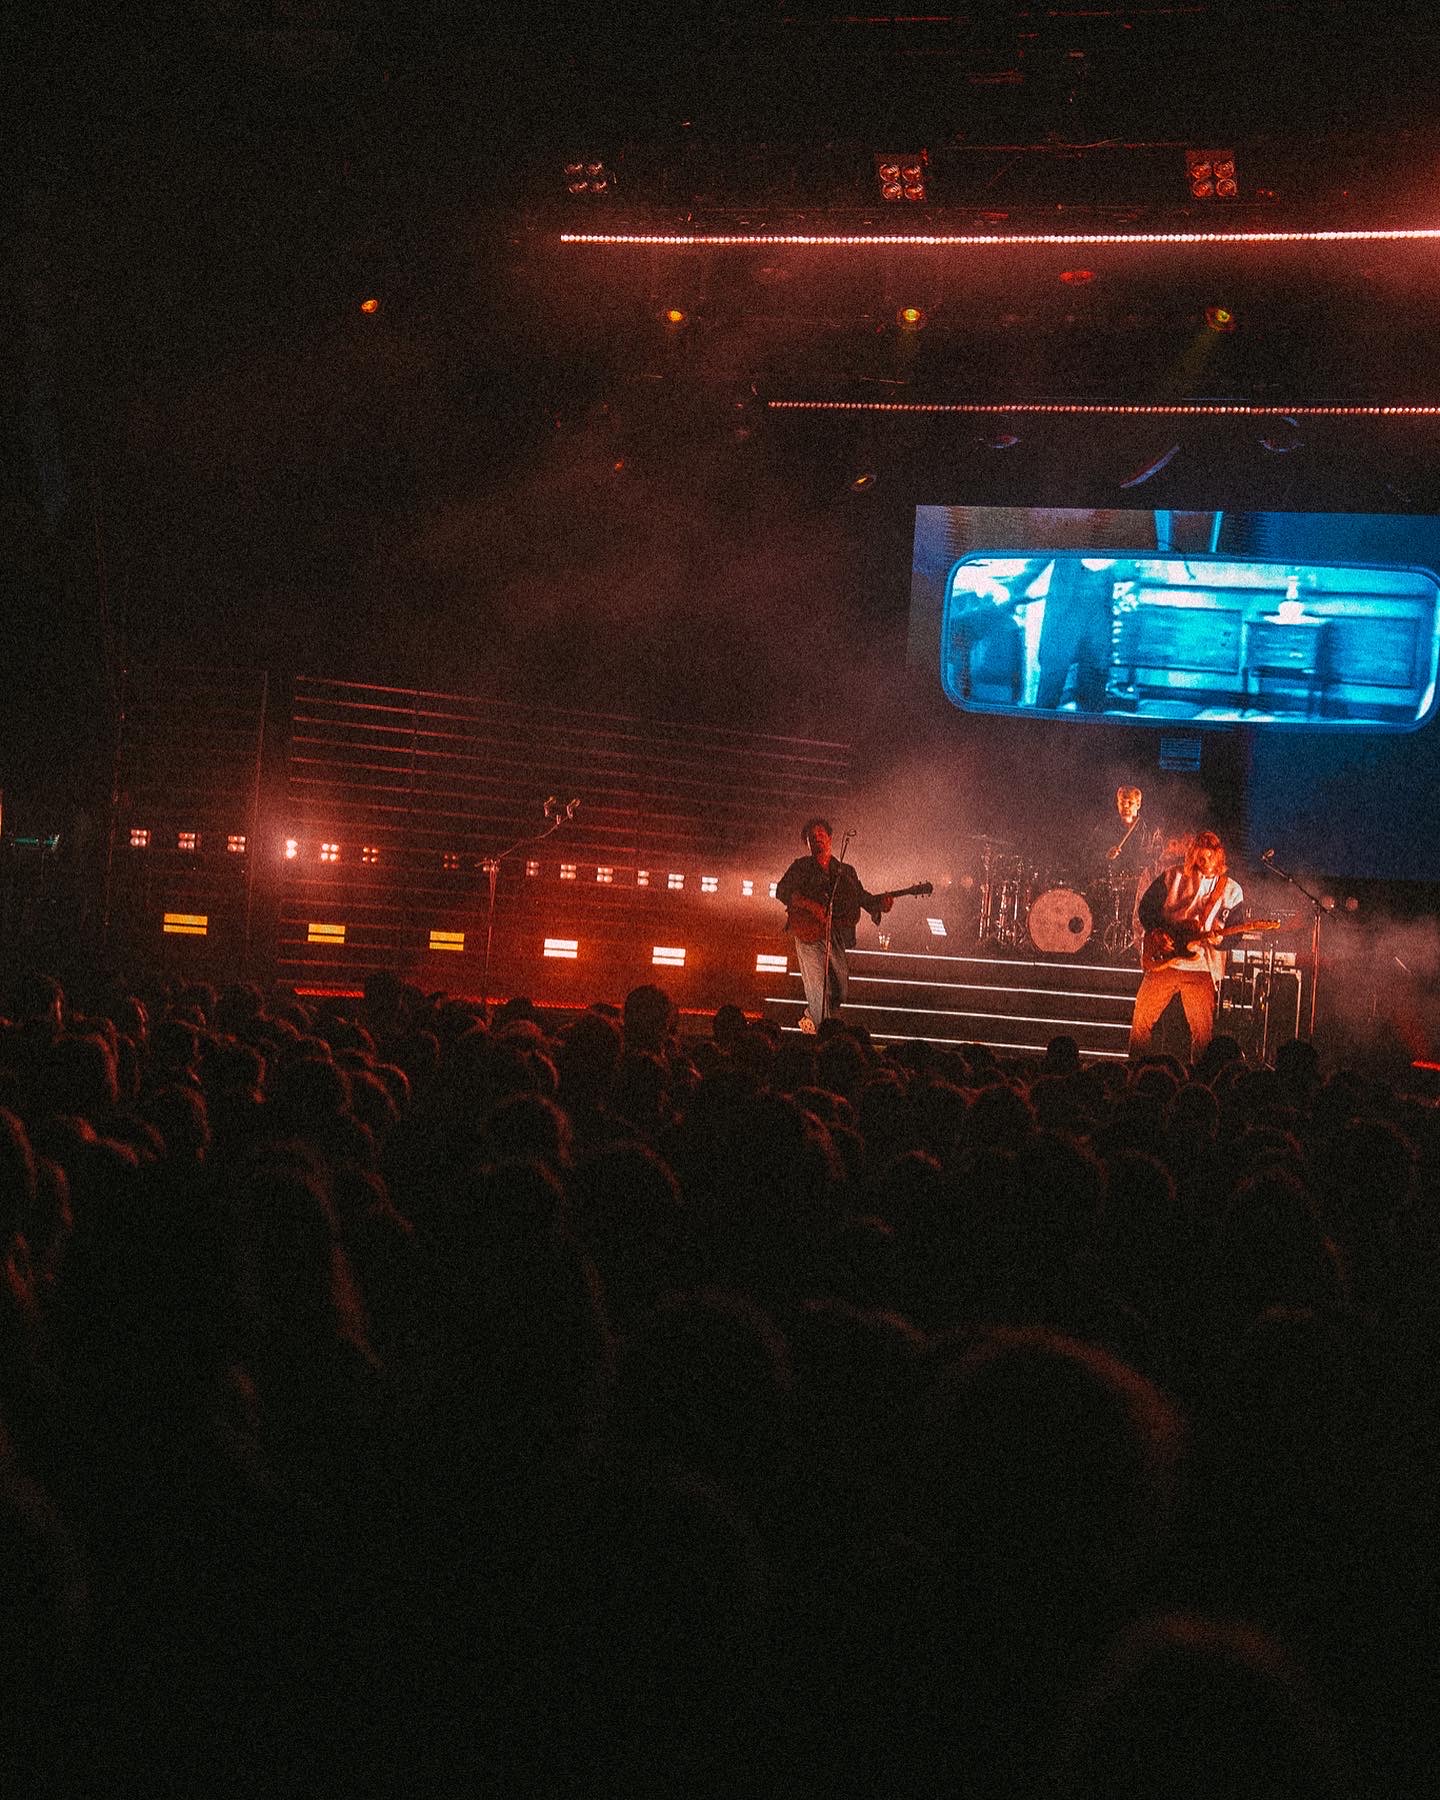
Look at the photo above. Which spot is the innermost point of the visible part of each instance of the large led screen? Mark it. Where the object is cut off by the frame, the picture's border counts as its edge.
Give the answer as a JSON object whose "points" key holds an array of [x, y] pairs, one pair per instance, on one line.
{"points": [[1200, 618]]}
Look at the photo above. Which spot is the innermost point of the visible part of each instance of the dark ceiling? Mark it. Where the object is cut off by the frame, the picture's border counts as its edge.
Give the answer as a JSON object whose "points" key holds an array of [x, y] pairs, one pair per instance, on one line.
{"points": [[216, 445]]}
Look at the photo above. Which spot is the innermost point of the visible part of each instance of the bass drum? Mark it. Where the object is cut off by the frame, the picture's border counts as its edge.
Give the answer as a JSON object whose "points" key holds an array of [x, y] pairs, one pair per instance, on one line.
{"points": [[1060, 922]]}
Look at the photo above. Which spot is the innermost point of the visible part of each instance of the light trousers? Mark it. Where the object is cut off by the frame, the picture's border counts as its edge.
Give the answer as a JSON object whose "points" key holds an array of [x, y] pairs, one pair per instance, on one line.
{"points": [[1197, 995], [811, 958]]}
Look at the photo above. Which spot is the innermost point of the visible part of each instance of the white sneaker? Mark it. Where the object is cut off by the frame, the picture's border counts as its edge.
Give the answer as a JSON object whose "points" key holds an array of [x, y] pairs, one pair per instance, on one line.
{"points": [[807, 1024]]}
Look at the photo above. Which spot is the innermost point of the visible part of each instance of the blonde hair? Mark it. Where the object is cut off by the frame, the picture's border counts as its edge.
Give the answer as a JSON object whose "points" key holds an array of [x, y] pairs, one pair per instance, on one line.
{"points": [[1205, 840]]}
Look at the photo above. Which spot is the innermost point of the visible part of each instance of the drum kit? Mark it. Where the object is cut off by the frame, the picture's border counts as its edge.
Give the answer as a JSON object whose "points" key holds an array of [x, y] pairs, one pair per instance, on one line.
{"points": [[1028, 904]]}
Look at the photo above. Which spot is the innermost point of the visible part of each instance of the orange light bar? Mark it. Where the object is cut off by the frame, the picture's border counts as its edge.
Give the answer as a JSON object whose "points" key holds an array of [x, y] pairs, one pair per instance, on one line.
{"points": [[324, 934], [447, 940], [186, 924], [985, 240]]}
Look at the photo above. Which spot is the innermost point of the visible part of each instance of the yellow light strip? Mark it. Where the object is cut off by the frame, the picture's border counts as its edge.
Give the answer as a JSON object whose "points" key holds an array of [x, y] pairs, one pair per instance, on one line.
{"points": [[187, 924], [447, 940], [325, 934]]}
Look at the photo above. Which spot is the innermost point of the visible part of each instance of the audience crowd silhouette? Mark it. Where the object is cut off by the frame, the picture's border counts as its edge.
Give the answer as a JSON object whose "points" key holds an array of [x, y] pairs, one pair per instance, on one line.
{"points": [[396, 1399]]}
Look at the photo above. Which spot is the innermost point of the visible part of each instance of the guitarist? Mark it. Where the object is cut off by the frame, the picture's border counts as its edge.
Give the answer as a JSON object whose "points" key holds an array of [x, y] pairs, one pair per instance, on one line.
{"points": [[1183, 912], [823, 898]]}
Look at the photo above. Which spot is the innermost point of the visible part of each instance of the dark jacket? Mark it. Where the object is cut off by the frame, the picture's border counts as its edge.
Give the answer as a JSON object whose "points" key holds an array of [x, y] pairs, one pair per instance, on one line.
{"points": [[806, 880]]}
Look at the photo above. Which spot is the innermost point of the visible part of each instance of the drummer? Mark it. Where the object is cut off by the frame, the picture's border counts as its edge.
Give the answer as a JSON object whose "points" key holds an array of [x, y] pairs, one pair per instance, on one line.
{"points": [[1123, 845]]}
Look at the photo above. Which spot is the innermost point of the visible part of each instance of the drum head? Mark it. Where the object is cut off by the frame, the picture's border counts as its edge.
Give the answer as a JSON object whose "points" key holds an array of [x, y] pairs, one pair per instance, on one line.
{"points": [[1060, 921]]}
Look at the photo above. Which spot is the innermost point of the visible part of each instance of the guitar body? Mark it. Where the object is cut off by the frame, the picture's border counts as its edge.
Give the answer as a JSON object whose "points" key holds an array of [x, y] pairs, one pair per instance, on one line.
{"points": [[1163, 946], [805, 919]]}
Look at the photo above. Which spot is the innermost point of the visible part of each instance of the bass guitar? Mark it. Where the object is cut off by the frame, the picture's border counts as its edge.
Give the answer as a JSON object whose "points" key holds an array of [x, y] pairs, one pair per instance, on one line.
{"points": [[1167, 944], [805, 919]]}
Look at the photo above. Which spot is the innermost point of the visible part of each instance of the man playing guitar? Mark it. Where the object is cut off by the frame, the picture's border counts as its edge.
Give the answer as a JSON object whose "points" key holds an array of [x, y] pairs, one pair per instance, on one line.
{"points": [[824, 898], [1186, 912]]}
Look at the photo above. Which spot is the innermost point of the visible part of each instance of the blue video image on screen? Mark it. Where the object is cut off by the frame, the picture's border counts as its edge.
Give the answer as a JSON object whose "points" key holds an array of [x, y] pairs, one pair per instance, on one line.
{"points": [[1204, 638]]}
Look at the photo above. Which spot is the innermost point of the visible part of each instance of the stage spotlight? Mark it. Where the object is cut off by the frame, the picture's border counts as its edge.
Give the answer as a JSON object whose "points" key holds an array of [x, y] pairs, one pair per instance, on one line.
{"points": [[588, 175], [675, 317], [1211, 174], [911, 318], [370, 306], [1281, 436], [901, 176], [1220, 318], [1152, 468], [863, 481], [999, 440], [1077, 277]]}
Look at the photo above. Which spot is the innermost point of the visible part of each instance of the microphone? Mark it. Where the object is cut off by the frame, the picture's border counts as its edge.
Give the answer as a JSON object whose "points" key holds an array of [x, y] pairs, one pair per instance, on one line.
{"points": [[1267, 856]]}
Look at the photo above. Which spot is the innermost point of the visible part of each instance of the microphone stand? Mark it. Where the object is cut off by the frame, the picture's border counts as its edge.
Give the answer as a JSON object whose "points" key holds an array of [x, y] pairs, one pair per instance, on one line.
{"points": [[1317, 912], [491, 866], [830, 924]]}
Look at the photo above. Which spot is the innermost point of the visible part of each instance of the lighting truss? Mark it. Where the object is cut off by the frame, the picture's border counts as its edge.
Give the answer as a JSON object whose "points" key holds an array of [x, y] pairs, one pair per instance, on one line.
{"points": [[1235, 409], [986, 240]]}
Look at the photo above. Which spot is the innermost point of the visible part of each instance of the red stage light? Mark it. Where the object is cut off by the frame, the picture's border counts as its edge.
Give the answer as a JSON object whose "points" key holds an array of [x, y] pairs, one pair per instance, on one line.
{"points": [[675, 315], [1211, 174], [371, 306], [901, 177], [1077, 277]]}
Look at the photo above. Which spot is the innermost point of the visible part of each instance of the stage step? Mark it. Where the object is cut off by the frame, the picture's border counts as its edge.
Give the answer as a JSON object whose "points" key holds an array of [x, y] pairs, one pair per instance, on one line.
{"points": [[1012, 1004]]}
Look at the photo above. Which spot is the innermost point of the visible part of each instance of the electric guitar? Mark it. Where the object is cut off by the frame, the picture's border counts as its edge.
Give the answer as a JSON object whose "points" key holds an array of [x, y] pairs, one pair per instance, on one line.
{"points": [[805, 919], [1168, 943]]}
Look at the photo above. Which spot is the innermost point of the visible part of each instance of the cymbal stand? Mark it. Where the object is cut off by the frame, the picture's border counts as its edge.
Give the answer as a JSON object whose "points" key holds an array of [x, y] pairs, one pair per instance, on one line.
{"points": [[987, 893]]}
